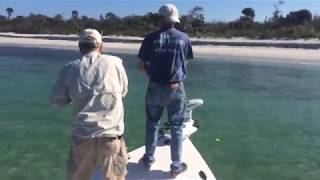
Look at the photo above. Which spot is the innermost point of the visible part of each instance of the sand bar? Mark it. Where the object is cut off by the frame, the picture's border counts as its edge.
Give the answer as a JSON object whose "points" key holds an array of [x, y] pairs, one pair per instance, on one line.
{"points": [[203, 51]]}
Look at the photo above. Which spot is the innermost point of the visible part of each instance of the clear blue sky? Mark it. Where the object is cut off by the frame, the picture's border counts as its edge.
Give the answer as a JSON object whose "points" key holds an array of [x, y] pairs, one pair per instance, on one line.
{"points": [[222, 10]]}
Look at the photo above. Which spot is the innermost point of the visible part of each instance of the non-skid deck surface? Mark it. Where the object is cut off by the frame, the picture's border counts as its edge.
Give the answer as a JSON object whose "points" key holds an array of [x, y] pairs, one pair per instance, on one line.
{"points": [[160, 169]]}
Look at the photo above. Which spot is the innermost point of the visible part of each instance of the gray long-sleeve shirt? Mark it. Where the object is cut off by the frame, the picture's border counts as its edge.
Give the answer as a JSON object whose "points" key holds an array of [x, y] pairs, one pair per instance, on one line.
{"points": [[95, 85]]}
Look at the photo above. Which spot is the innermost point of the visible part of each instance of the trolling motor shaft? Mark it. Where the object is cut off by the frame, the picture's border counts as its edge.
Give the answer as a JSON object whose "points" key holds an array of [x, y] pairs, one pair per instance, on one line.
{"points": [[191, 105], [189, 126]]}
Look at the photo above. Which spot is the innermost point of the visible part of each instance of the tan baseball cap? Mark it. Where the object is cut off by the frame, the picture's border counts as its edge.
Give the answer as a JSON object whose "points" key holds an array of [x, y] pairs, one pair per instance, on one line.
{"points": [[170, 13], [90, 35]]}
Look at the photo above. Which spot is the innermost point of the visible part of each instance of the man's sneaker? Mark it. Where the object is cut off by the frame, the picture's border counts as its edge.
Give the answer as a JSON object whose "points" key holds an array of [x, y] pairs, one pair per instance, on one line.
{"points": [[146, 166], [184, 168]]}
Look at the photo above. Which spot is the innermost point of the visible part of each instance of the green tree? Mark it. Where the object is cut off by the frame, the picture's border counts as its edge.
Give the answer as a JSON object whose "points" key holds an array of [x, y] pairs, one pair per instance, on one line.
{"points": [[58, 17], [277, 12], [247, 19], [111, 18], [9, 12], [249, 12], [75, 14], [101, 17], [316, 22], [111, 23], [197, 16], [186, 23], [75, 20], [299, 17], [3, 18]]}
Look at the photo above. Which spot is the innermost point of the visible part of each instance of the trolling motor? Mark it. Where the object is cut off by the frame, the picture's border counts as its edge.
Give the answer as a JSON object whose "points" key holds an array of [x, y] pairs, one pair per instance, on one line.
{"points": [[190, 126]]}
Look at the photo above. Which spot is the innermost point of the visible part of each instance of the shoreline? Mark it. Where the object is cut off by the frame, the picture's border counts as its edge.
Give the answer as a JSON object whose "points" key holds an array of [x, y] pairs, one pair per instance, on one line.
{"points": [[236, 42], [239, 53]]}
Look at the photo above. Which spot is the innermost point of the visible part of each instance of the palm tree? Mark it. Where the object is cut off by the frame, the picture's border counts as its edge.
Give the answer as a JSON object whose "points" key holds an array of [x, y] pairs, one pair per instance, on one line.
{"points": [[10, 12], [75, 17], [249, 12], [75, 14]]}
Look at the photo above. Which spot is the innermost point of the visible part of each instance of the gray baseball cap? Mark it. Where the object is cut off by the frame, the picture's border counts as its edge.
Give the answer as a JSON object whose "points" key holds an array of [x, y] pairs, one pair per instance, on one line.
{"points": [[170, 13], [89, 35]]}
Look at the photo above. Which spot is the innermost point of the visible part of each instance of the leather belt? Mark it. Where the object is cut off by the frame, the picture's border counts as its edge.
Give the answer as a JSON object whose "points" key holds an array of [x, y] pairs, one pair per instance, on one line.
{"points": [[114, 138]]}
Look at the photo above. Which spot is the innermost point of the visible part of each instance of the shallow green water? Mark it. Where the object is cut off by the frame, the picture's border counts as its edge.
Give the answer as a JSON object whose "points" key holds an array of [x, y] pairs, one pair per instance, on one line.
{"points": [[266, 115]]}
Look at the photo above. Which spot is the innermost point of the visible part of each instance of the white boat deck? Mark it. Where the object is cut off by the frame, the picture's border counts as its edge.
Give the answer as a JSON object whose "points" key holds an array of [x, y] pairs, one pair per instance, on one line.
{"points": [[160, 169]]}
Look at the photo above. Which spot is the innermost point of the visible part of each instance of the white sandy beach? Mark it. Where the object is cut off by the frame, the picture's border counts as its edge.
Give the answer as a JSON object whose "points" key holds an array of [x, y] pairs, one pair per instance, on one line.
{"points": [[203, 51], [235, 39]]}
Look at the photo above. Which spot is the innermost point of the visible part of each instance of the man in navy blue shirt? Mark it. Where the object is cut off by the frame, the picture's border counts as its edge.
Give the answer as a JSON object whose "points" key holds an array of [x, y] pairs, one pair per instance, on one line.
{"points": [[163, 56]]}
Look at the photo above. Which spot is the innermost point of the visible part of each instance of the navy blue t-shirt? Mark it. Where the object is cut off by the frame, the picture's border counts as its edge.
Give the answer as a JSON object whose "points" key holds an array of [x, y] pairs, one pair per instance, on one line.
{"points": [[165, 52]]}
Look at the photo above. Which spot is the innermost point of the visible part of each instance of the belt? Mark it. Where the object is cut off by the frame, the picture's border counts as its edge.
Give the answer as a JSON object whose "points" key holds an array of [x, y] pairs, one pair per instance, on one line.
{"points": [[114, 138], [169, 83]]}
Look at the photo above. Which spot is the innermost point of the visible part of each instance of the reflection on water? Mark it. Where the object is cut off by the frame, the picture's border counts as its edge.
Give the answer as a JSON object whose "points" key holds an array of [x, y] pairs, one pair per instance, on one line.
{"points": [[265, 115]]}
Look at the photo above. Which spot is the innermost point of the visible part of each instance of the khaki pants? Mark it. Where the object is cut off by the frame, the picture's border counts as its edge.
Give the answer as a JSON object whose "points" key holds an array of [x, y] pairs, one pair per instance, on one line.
{"points": [[86, 155]]}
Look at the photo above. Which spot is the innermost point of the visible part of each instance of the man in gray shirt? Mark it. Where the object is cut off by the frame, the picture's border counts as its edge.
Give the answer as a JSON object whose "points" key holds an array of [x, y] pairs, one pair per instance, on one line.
{"points": [[95, 86]]}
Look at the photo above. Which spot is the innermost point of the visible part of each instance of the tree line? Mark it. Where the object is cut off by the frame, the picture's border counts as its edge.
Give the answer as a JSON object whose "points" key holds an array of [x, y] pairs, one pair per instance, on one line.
{"points": [[296, 24]]}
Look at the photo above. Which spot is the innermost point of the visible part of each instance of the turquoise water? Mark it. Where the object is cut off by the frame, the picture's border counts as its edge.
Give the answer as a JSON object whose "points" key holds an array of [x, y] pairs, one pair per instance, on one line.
{"points": [[266, 116]]}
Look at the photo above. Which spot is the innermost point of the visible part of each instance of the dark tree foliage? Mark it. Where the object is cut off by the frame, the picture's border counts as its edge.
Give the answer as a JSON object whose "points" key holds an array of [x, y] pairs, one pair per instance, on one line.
{"points": [[297, 24], [75, 14], [277, 12], [299, 17], [249, 12], [9, 12], [58, 17], [3, 18], [247, 19], [197, 17], [316, 23]]}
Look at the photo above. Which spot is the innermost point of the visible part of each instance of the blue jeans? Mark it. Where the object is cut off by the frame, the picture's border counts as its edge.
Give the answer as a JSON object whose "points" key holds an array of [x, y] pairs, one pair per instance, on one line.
{"points": [[160, 96]]}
